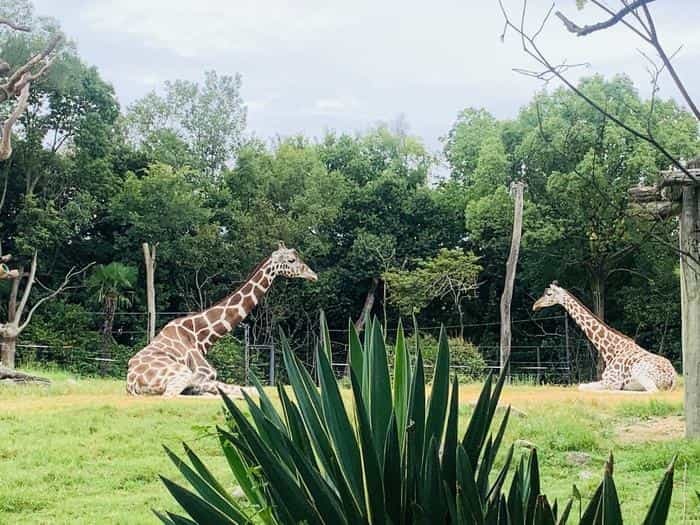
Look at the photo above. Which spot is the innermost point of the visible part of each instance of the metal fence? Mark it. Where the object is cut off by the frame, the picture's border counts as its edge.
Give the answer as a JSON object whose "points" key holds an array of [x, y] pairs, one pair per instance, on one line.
{"points": [[548, 349]]}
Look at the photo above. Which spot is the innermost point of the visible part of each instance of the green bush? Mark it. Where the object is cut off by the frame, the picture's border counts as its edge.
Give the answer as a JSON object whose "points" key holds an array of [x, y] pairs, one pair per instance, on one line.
{"points": [[395, 459], [227, 356], [465, 359]]}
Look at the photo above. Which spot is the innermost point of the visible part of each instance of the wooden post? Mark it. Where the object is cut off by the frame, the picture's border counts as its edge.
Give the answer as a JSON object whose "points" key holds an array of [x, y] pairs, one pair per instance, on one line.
{"points": [[690, 305], [679, 194], [568, 349], [149, 256], [517, 189]]}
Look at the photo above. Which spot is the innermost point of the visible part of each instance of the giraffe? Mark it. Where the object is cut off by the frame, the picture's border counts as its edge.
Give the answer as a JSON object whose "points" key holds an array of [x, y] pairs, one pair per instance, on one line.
{"points": [[174, 361], [628, 366]]}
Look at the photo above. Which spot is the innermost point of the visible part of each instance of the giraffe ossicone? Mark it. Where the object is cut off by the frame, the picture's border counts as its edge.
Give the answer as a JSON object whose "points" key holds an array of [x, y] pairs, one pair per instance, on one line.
{"points": [[628, 366], [174, 361]]}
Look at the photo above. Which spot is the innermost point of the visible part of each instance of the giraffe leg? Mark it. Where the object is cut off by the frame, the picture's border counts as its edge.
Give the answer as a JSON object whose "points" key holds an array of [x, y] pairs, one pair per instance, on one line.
{"points": [[647, 383], [178, 383]]}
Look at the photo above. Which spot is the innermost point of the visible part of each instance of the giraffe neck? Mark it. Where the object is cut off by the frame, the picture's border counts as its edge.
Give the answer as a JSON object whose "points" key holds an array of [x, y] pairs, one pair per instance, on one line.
{"points": [[215, 322], [604, 339]]}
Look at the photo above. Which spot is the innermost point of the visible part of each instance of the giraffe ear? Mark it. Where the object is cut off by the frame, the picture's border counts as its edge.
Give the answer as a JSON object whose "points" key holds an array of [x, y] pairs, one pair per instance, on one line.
{"points": [[280, 245]]}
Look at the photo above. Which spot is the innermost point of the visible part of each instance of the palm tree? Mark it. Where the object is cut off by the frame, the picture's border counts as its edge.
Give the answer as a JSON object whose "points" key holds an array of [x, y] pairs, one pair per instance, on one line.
{"points": [[112, 285]]}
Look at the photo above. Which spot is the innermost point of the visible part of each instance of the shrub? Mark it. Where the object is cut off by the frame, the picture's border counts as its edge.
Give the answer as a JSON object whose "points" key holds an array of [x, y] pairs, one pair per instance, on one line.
{"points": [[465, 358], [227, 356], [401, 462]]}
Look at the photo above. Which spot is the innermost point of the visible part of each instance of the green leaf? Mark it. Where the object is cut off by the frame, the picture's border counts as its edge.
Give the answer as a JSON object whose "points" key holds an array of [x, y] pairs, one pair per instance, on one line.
{"points": [[415, 429], [658, 511], [392, 473], [209, 494], [449, 443], [478, 424], [240, 470], [431, 494], [355, 349], [307, 398], [165, 519], [402, 383], [380, 403], [205, 473], [565, 513], [265, 403], [373, 490], [488, 459], [543, 514], [289, 497], [200, 510], [437, 405], [294, 423], [339, 428], [467, 492], [532, 485]]}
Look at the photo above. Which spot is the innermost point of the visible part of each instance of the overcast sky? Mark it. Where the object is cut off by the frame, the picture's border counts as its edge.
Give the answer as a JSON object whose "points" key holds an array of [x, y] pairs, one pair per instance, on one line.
{"points": [[312, 65]]}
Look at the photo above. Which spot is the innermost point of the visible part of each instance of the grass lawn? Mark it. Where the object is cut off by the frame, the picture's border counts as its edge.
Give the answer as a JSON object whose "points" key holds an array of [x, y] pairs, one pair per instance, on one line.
{"points": [[82, 452]]}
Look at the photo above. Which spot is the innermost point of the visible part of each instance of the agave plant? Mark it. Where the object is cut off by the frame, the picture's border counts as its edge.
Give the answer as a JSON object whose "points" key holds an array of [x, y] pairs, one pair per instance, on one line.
{"points": [[385, 456]]}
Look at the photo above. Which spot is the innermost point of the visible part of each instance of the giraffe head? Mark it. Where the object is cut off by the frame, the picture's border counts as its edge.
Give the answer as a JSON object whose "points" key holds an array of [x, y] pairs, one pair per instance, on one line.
{"points": [[286, 262], [553, 294]]}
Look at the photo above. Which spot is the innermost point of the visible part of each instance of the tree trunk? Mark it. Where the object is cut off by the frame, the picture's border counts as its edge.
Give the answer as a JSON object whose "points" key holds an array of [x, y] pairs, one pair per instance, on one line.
{"points": [[8, 350], [110, 308], [14, 376], [690, 306], [598, 288], [149, 256], [369, 304], [461, 319], [384, 294], [506, 298]]}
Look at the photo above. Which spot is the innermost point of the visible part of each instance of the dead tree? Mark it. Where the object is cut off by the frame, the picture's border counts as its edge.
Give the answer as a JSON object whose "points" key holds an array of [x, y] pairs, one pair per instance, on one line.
{"points": [[149, 256], [368, 305], [517, 190], [16, 85], [19, 314]]}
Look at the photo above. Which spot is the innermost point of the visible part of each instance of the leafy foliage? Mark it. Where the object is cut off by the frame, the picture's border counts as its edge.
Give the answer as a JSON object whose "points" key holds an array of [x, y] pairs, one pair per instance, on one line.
{"points": [[465, 357], [401, 462]]}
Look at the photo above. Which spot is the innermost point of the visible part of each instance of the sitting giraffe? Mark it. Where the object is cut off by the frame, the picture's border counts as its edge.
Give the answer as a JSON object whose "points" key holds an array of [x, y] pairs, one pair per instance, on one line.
{"points": [[175, 360], [627, 365]]}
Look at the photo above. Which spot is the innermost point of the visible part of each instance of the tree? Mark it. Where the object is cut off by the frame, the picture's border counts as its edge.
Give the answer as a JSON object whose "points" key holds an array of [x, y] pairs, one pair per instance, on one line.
{"points": [[511, 265], [451, 274], [200, 125], [111, 285], [19, 314], [18, 80]]}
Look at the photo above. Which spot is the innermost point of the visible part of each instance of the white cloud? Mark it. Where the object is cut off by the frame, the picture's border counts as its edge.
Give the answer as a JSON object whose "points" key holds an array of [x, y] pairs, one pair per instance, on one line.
{"points": [[312, 64]]}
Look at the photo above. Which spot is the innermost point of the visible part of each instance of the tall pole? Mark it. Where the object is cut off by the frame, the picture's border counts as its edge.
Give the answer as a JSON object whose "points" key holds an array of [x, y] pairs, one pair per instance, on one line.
{"points": [[517, 189], [149, 256], [690, 305]]}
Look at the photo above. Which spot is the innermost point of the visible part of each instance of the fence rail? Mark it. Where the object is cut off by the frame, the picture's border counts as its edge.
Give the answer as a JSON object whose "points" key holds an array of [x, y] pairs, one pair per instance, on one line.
{"points": [[558, 354]]}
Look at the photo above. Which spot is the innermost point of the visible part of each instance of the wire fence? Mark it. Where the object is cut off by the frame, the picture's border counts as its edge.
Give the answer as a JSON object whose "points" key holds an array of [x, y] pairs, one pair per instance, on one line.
{"points": [[546, 349]]}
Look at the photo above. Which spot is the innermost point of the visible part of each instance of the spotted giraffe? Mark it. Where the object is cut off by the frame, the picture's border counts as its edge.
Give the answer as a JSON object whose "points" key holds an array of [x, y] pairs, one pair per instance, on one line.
{"points": [[175, 360], [628, 366]]}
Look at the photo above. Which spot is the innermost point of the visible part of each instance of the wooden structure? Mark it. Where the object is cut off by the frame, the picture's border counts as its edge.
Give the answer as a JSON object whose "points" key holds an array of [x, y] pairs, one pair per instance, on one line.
{"points": [[517, 189], [678, 195]]}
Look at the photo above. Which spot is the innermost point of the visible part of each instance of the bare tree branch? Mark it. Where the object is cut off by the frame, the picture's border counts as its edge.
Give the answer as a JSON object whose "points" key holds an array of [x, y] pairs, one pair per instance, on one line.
{"points": [[72, 273], [14, 25], [27, 289], [617, 17], [551, 70], [6, 138]]}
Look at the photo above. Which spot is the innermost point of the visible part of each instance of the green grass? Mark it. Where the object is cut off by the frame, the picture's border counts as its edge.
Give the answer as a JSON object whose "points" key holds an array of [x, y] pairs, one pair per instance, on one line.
{"points": [[82, 452]]}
